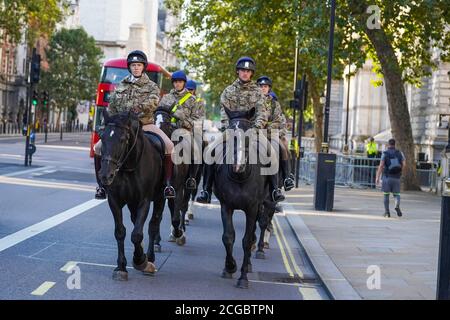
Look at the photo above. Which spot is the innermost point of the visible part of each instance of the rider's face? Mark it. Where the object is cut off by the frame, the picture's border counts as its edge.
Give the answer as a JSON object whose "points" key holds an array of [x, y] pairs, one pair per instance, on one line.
{"points": [[265, 88], [245, 75], [178, 85], [137, 69]]}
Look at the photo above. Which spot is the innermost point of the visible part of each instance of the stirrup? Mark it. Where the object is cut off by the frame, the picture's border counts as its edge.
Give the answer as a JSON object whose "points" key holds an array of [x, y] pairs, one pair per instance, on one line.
{"points": [[288, 184], [100, 193], [191, 184], [169, 192], [277, 196]]}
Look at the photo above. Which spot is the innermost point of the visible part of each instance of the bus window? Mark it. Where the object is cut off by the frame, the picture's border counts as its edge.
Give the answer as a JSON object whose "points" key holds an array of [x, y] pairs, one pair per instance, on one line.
{"points": [[113, 75]]}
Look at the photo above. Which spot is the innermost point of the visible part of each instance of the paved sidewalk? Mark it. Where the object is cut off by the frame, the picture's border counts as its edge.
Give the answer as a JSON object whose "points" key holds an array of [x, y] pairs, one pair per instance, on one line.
{"points": [[342, 244]]}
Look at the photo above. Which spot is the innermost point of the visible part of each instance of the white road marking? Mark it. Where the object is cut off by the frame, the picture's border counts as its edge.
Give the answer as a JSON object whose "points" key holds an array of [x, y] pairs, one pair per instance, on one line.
{"points": [[46, 184], [63, 147], [43, 288], [18, 173], [31, 231], [71, 264]]}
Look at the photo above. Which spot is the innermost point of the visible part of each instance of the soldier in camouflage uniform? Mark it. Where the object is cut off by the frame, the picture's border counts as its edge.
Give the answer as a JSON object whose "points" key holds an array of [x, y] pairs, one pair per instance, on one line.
{"points": [[183, 107], [277, 120], [141, 95], [195, 170], [242, 95]]}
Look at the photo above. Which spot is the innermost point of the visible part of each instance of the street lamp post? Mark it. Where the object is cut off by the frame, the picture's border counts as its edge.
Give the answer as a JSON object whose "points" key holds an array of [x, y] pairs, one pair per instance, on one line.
{"points": [[443, 279], [326, 162]]}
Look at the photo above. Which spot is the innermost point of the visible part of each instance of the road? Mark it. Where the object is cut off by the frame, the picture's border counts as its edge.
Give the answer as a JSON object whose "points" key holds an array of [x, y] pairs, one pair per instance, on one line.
{"points": [[56, 242]]}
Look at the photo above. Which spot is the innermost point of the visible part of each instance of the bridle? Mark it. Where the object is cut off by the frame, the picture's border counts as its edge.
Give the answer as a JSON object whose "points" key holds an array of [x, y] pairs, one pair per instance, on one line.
{"points": [[124, 156]]}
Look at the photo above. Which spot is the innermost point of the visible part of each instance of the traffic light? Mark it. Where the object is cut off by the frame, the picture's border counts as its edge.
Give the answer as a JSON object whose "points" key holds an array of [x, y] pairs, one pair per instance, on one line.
{"points": [[45, 99], [35, 68], [35, 98]]}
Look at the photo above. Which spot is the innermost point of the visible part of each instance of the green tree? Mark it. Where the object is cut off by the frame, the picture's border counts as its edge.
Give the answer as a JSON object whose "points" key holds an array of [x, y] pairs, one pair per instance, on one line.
{"points": [[74, 69], [35, 17], [401, 45]]}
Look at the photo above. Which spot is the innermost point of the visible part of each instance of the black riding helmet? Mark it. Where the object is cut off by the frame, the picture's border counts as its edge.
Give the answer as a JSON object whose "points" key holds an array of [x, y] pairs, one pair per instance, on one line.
{"points": [[137, 56], [264, 80]]}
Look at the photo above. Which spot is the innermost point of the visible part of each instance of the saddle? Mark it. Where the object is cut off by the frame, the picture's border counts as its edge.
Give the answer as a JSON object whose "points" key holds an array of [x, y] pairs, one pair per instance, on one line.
{"points": [[156, 141]]}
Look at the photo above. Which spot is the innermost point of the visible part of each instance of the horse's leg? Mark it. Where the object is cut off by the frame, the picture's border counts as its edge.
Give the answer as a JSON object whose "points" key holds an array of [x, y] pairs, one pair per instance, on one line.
{"points": [[228, 241], [171, 204], [177, 231], [153, 227], [184, 209], [120, 273], [262, 221], [140, 261], [250, 222]]}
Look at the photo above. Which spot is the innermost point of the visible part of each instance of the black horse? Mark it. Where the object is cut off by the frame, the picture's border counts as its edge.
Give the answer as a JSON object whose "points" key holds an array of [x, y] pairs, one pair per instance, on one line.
{"points": [[132, 174], [239, 187], [178, 206], [264, 218]]}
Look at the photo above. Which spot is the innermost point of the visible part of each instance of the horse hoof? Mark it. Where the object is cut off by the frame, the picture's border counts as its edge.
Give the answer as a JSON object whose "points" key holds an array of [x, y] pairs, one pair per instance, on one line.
{"points": [[191, 216], [253, 247], [150, 269], [250, 269], [227, 275], [260, 255], [142, 266], [157, 248], [181, 241], [119, 275], [266, 245], [242, 283], [172, 238]]}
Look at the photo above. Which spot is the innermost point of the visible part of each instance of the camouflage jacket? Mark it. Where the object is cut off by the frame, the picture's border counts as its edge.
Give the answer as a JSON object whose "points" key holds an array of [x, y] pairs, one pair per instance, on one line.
{"points": [[186, 113], [242, 97], [276, 118], [200, 110], [142, 96]]}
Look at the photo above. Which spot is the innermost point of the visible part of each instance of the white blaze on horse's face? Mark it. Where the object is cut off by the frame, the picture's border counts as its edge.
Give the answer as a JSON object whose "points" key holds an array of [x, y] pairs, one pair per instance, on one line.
{"points": [[112, 133], [240, 148], [159, 120]]}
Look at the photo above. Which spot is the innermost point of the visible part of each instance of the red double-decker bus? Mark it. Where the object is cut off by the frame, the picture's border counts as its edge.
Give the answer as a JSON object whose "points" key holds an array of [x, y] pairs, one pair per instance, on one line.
{"points": [[113, 71]]}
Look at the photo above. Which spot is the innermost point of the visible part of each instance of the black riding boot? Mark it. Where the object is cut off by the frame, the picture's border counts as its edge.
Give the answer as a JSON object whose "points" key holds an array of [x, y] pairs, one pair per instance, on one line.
{"points": [[287, 179], [191, 184], [208, 179], [169, 191], [276, 193], [100, 192]]}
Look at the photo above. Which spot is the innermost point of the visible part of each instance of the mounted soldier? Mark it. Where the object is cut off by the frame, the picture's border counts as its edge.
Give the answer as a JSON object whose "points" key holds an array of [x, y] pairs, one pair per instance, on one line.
{"points": [[139, 94], [242, 95]]}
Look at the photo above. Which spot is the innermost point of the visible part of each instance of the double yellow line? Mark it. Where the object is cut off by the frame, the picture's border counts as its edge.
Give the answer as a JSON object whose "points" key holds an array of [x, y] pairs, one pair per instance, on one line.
{"points": [[284, 247]]}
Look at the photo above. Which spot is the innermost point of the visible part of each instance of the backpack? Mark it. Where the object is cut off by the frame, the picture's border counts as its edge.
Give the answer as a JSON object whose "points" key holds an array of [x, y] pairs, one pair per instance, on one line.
{"points": [[393, 162]]}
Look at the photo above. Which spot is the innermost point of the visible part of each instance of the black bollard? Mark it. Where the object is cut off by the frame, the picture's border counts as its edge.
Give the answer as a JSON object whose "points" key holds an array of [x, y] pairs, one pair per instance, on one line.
{"points": [[443, 280]]}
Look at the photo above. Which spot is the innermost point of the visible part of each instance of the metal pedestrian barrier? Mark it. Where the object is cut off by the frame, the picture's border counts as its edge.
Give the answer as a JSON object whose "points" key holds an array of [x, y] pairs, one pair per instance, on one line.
{"points": [[359, 172]]}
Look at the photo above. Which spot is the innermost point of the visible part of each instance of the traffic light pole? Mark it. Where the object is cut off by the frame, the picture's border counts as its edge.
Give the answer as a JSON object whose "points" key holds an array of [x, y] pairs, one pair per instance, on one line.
{"points": [[34, 71]]}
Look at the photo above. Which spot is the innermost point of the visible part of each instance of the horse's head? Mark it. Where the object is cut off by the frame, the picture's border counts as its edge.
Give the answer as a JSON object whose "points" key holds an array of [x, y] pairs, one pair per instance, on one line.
{"points": [[118, 140], [163, 121], [240, 121]]}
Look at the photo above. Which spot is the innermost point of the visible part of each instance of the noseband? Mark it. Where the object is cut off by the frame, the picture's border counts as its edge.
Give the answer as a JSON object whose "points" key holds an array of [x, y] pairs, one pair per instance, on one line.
{"points": [[124, 156]]}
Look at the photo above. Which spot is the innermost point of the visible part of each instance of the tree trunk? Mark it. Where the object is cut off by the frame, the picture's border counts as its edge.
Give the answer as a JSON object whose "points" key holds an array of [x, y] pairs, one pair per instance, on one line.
{"points": [[397, 104], [318, 116]]}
